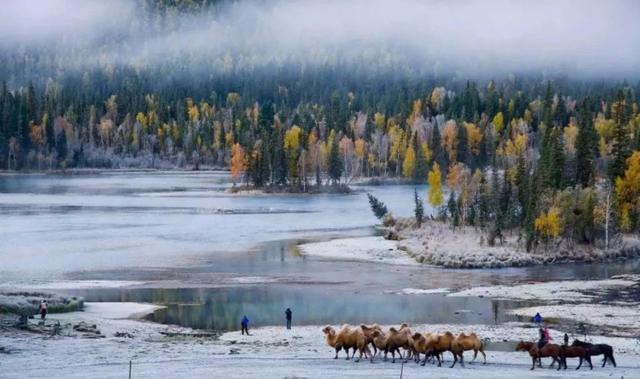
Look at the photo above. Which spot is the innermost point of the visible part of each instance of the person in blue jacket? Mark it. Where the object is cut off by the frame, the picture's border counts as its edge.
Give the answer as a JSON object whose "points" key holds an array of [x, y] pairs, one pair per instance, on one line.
{"points": [[245, 325]]}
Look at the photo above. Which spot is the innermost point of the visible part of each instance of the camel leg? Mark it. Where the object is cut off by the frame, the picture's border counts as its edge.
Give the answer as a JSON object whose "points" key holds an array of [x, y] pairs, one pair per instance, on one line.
{"points": [[579, 364], [424, 362], [475, 354], [455, 359], [562, 360], [393, 355], [439, 361], [484, 357], [604, 362], [347, 350], [337, 350], [385, 354], [462, 358]]}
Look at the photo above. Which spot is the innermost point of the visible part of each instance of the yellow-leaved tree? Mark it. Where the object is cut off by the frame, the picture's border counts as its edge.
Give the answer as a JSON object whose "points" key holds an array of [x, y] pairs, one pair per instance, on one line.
{"points": [[409, 163], [628, 192], [435, 186], [238, 163], [549, 225]]}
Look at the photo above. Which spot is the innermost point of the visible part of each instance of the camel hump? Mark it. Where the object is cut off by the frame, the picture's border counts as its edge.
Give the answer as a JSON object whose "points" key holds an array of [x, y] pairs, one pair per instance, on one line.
{"points": [[448, 334], [364, 327], [473, 335], [393, 330]]}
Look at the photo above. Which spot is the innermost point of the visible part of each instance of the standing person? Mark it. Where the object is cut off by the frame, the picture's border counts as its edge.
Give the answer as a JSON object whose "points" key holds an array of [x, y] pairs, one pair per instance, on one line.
{"points": [[288, 315], [566, 339], [42, 309], [245, 325]]}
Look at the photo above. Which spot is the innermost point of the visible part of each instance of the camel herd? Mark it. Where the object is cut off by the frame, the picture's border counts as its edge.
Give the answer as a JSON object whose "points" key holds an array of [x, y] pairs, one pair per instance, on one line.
{"points": [[424, 346], [393, 341]]}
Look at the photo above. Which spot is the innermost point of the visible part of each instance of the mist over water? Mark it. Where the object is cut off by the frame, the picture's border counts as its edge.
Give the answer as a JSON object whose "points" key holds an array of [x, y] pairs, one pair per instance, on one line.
{"points": [[470, 38]]}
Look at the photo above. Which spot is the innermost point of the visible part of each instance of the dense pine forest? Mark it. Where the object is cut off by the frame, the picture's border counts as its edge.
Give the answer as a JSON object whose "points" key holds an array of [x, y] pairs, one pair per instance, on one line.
{"points": [[548, 153]]}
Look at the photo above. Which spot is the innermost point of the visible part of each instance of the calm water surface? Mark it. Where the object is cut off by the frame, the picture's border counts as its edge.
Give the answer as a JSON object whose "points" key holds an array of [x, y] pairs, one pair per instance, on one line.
{"points": [[184, 227]]}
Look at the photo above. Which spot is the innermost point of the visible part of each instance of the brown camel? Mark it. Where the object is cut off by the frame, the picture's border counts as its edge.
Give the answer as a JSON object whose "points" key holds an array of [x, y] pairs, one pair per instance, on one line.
{"points": [[465, 342], [398, 339], [368, 331], [347, 338], [437, 345], [380, 341], [548, 350]]}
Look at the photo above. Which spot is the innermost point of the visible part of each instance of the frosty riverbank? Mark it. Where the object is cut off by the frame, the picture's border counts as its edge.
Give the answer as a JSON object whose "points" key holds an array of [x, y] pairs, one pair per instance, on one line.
{"points": [[435, 243], [270, 352]]}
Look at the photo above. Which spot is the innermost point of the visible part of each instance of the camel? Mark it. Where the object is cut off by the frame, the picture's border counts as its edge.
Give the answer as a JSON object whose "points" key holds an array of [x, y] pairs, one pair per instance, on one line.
{"points": [[396, 339], [437, 345], [465, 342], [368, 331], [347, 338], [548, 350]]}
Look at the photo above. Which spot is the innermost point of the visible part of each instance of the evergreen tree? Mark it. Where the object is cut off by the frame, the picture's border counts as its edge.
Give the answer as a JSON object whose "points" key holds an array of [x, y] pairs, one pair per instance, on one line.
{"points": [[531, 212], [586, 147], [462, 150], [452, 208], [419, 208], [551, 162], [279, 164], [61, 146], [484, 202], [621, 147], [335, 161], [377, 207], [421, 167]]}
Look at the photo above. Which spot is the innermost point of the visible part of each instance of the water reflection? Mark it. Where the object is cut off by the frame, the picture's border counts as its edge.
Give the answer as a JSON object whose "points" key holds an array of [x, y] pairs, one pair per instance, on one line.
{"points": [[222, 308]]}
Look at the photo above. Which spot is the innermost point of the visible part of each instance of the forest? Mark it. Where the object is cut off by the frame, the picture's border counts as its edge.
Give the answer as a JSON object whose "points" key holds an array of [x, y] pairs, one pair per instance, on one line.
{"points": [[551, 154]]}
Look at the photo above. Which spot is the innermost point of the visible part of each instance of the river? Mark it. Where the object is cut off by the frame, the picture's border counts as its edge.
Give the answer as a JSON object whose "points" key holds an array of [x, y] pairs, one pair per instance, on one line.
{"points": [[210, 256]]}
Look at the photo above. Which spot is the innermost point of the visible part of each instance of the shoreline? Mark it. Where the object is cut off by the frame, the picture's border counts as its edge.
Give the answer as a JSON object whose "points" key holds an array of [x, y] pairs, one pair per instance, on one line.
{"points": [[435, 244]]}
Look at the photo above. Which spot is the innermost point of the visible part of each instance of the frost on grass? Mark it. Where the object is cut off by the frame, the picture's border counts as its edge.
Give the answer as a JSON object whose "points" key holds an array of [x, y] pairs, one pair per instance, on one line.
{"points": [[437, 243], [368, 249], [27, 303], [574, 290]]}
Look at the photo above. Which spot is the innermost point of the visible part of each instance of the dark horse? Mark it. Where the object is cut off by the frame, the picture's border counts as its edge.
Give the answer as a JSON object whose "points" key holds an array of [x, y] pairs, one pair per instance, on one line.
{"points": [[574, 352], [597, 349]]}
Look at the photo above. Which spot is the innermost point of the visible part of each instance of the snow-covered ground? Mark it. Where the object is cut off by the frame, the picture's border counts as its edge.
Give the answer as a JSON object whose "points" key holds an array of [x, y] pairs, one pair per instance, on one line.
{"points": [[270, 352], [369, 249], [625, 318], [573, 290]]}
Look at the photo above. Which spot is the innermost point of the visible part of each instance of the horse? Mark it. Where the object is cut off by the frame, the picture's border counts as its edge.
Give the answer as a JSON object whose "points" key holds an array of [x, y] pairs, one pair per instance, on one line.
{"points": [[548, 350], [574, 352], [597, 349]]}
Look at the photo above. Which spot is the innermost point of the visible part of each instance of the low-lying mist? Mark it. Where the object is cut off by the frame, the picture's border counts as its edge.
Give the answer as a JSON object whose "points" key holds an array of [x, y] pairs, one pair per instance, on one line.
{"points": [[469, 37]]}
